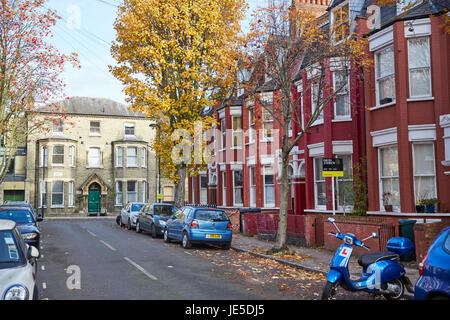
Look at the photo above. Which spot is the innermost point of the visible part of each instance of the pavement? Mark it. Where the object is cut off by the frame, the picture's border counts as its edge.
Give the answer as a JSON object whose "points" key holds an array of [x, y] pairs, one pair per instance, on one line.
{"points": [[307, 258]]}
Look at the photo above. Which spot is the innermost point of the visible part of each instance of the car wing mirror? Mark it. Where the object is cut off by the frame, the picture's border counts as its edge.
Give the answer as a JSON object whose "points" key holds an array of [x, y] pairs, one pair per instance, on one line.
{"points": [[39, 219], [33, 252]]}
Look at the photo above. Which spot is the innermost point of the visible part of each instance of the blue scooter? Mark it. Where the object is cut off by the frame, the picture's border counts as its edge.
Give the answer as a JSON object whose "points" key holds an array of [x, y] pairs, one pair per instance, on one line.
{"points": [[382, 272]]}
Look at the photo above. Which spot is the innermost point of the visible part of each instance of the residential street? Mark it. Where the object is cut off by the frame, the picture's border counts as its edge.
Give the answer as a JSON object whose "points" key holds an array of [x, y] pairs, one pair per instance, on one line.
{"points": [[116, 263]]}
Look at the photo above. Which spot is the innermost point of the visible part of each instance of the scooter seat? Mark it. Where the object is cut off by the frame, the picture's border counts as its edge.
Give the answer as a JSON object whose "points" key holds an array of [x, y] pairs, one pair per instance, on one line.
{"points": [[367, 259]]}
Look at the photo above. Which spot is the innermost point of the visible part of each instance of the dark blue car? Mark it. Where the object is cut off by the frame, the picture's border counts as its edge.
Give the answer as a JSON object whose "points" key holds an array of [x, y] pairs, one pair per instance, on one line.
{"points": [[153, 217], [199, 225], [434, 281], [25, 221]]}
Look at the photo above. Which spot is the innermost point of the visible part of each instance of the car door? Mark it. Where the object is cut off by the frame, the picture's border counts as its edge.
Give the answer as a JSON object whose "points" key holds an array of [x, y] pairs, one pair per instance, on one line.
{"points": [[177, 223]]}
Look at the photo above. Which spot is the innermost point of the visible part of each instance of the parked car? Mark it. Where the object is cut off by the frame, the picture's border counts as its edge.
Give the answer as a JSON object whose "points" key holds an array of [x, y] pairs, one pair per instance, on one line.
{"points": [[199, 225], [434, 281], [17, 264], [22, 204], [153, 217], [26, 223], [129, 214]]}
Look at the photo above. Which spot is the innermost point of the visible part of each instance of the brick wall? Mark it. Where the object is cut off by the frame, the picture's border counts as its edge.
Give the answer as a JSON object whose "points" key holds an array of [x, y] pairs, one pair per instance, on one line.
{"points": [[425, 234]]}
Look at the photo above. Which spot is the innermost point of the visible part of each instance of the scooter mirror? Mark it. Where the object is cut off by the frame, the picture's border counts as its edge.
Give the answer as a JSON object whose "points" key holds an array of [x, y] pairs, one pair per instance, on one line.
{"points": [[374, 235], [331, 220]]}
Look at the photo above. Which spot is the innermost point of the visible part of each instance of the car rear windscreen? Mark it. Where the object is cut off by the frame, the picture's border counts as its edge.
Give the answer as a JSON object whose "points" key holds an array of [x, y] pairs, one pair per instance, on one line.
{"points": [[211, 215], [163, 210]]}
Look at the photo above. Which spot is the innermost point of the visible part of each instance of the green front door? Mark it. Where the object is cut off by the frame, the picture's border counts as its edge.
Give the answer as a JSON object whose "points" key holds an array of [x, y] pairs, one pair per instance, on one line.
{"points": [[94, 201]]}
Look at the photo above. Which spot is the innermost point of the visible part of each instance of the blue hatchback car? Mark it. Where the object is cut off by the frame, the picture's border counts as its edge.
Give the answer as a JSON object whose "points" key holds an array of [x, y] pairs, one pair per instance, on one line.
{"points": [[434, 281], [199, 225]]}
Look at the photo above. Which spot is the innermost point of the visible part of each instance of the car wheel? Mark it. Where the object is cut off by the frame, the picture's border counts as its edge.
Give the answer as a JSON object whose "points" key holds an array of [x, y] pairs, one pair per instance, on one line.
{"points": [[153, 231], [138, 227], [227, 246], [166, 236], [120, 222], [185, 242]]}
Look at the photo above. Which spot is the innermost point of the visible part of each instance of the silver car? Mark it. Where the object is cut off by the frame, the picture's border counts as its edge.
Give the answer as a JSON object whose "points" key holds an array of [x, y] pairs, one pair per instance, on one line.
{"points": [[129, 214], [17, 264]]}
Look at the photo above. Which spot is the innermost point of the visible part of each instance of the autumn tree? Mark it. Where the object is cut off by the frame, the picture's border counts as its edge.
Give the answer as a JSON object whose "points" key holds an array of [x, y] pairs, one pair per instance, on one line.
{"points": [[176, 57], [29, 74], [285, 41]]}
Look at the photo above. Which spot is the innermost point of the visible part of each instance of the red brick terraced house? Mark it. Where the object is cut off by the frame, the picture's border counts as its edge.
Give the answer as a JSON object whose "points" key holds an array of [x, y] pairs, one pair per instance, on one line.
{"points": [[407, 99]]}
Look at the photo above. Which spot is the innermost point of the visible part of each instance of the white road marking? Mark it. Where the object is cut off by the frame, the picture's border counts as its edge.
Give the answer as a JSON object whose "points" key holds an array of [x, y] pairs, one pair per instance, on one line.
{"points": [[91, 233], [109, 246], [141, 269], [43, 268], [44, 285], [42, 256]]}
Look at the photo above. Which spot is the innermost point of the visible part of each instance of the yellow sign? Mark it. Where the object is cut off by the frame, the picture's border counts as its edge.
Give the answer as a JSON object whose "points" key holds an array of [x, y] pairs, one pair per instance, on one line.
{"points": [[160, 196], [328, 174]]}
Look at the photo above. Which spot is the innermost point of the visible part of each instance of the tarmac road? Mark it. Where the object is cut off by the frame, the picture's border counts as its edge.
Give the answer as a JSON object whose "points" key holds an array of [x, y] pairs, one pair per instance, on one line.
{"points": [[115, 263]]}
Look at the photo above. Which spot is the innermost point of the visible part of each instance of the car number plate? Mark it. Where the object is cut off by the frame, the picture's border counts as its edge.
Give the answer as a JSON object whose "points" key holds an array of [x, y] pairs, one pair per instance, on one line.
{"points": [[213, 236]]}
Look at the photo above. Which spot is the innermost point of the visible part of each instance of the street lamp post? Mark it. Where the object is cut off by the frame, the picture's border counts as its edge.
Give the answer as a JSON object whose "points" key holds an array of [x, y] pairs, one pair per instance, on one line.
{"points": [[156, 125]]}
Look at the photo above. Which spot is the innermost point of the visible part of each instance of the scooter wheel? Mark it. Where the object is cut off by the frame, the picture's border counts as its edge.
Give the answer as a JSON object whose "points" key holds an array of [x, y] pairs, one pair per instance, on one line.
{"points": [[329, 291], [399, 289]]}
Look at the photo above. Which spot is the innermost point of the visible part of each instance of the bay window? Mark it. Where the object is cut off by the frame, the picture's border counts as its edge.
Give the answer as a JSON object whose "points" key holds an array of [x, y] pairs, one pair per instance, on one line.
{"points": [[389, 178], [424, 171], [224, 188], [341, 89], [203, 189], [319, 184], [58, 155], [385, 75], [132, 157], [252, 187], [238, 187], [132, 191], [419, 67], [316, 96], [269, 186], [119, 193], [58, 194], [119, 156], [345, 183], [237, 132]]}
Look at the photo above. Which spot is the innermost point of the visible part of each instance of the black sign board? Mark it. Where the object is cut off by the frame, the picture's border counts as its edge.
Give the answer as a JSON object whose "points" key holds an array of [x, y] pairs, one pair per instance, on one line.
{"points": [[333, 167]]}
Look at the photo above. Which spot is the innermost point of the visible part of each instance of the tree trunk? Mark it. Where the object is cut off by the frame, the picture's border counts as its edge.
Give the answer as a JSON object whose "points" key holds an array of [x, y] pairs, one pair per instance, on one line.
{"points": [[284, 201], [180, 186]]}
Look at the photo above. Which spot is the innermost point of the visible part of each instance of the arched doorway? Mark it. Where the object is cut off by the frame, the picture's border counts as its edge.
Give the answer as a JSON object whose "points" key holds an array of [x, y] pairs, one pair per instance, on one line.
{"points": [[94, 197]]}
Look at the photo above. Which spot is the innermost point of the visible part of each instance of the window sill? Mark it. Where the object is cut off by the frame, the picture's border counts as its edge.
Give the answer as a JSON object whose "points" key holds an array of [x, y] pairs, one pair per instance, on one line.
{"points": [[414, 99], [58, 165], [95, 135], [89, 167], [57, 207], [342, 120], [383, 106], [266, 140]]}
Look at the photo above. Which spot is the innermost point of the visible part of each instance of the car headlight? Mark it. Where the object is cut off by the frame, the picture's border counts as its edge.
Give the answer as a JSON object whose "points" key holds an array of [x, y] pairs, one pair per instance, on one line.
{"points": [[162, 223], [16, 292], [29, 236]]}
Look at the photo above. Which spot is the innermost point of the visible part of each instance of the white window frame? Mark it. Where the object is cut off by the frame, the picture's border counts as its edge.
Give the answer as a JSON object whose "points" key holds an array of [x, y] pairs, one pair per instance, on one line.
{"points": [[132, 192], [44, 156], [53, 154], [144, 157], [223, 129], [423, 175], [315, 102], [143, 191], [378, 79], [430, 94], [128, 126], [119, 194], [203, 191], [340, 93], [119, 157], [252, 186], [236, 132], [95, 131], [343, 179], [52, 193], [58, 128], [333, 17], [224, 188], [251, 125], [43, 191], [133, 165], [91, 154], [267, 117], [238, 188], [381, 177], [71, 156], [70, 187], [266, 203], [316, 181]]}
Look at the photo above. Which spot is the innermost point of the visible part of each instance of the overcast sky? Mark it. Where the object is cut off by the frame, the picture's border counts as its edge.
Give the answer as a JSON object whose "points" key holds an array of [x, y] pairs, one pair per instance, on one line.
{"points": [[86, 28]]}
